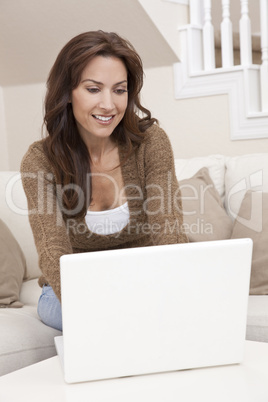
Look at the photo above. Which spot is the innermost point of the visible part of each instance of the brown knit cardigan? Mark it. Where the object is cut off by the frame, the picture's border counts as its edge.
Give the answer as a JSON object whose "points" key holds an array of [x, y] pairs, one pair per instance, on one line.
{"points": [[153, 199]]}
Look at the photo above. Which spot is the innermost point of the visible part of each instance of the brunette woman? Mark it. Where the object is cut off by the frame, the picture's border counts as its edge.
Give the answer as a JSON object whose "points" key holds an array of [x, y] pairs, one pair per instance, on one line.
{"points": [[103, 177]]}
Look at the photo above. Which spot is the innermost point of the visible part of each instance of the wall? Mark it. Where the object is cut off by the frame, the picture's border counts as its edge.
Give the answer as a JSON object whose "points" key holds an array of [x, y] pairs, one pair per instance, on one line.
{"points": [[4, 163], [23, 113], [198, 126], [167, 17]]}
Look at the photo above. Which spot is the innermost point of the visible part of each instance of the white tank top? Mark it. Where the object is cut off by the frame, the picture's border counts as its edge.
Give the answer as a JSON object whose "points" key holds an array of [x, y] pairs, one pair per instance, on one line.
{"points": [[109, 221]]}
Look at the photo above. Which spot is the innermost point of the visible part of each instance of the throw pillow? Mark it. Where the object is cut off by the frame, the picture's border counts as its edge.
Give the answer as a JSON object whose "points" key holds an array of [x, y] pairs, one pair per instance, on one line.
{"points": [[186, 168], [12, 268], [204, 215], [243, 173], [252, 222]]}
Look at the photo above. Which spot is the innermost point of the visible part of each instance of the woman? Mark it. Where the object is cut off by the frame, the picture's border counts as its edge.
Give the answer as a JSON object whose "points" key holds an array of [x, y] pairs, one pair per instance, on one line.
{"points": [[103, 178]]}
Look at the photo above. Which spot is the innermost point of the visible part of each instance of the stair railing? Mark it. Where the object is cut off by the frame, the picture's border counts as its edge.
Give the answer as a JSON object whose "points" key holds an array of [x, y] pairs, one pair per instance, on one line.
{"points": [[201, 15]]}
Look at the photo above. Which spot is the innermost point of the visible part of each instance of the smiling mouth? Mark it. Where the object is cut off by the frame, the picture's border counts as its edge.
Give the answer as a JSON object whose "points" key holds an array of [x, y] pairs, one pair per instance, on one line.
{"points": [[104, 119]]}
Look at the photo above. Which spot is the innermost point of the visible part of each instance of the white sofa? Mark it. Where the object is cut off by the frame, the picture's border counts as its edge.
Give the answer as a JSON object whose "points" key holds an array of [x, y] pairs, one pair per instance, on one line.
{"points": [[24, 339]]}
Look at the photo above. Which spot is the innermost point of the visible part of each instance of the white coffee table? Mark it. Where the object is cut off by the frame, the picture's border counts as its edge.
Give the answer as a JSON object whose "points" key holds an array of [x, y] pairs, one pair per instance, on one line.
{"points": [[43, 382]]}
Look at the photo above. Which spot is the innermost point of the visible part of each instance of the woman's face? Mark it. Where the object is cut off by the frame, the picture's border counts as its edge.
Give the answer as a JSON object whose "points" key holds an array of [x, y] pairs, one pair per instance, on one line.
{"points": [[100, 100]]}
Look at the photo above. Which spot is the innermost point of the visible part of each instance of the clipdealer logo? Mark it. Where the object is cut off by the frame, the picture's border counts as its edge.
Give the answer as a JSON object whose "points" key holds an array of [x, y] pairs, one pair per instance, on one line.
{"points": [[233, 199]]}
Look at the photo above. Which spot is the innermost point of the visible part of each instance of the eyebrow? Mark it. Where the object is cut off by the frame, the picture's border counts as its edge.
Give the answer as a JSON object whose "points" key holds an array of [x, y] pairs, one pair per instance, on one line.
{"points": [[100, 83]]}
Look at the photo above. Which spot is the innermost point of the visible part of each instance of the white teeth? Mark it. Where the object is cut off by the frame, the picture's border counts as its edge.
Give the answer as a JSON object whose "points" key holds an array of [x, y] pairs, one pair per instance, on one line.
{"points": [[102, 118]]}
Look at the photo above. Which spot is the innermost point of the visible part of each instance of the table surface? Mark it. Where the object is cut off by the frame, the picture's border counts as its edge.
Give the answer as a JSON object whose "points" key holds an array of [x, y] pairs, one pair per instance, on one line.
{"points": [[245, 382]]}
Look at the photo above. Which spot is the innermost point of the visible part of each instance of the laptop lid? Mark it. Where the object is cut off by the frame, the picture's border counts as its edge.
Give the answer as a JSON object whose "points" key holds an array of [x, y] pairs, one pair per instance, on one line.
{"points": [[154, 309]]}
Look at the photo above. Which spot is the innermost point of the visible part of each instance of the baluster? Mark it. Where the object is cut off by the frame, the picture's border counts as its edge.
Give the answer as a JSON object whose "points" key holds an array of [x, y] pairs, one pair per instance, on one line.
{"points": [[226, 36], [194, 37], [245, 35], [208, 38], [264, 50], [195, 12]]}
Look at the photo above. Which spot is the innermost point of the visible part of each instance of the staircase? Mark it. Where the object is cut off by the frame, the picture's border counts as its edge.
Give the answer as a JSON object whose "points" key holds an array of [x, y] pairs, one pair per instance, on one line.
{"points": [[225, 62]]}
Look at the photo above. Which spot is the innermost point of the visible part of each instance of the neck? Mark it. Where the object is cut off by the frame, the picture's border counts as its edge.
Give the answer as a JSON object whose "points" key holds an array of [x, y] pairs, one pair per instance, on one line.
{"points": [[99, 148], [103, 154]]}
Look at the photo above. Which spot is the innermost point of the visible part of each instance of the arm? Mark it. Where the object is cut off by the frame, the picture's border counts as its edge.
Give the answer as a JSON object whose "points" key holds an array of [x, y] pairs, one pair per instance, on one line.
{"points": [[49, 230], [163, 198]]}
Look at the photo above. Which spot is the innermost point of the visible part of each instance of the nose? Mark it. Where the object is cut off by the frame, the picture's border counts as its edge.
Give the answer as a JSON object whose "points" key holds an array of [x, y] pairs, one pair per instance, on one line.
{"points": [[106, 101]]}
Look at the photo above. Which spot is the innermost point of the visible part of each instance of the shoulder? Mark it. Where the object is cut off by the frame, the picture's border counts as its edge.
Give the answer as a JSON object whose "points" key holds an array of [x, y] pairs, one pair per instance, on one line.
{"points": [[156, 135], [156, 143], [34, 158], [155, 153]]}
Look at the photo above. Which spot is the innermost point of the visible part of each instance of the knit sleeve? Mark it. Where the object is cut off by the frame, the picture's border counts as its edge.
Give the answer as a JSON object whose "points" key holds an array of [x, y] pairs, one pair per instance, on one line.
{"points": [[163, 204], [48, 227]]}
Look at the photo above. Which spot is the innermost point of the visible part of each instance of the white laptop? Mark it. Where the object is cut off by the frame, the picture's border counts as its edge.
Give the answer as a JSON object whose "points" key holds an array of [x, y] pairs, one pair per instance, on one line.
{"points": [[153, 309]]}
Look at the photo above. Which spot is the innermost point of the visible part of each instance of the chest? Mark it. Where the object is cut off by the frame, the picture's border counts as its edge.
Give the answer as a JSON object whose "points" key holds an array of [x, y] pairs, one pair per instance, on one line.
{"points": [[107, 189]]}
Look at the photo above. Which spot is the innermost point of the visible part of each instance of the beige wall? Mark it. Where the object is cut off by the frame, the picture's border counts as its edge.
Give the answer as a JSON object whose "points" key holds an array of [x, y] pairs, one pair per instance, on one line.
{"points": [[198, 126], [23, 114], [4, 163], [167, 16]]}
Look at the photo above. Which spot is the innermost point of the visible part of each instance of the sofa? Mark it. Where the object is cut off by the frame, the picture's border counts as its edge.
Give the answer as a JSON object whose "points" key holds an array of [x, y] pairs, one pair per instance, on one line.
{"points": [[223, 197]]}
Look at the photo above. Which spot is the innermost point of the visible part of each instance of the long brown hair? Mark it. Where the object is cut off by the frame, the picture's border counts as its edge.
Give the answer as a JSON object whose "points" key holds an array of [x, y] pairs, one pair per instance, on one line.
{"points": [[63, 145]]}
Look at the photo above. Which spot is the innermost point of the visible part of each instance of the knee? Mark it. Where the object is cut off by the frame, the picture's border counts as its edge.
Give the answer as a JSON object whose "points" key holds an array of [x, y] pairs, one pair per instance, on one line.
{"points": [[49, 308]]}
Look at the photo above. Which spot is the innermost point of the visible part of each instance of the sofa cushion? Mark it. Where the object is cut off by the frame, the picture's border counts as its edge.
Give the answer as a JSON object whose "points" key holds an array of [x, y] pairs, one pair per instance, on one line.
{"points": [[13, 211], [203, 212], [30, 292], [24, 339], [252, 222], [243, 173], [186, 168], [257, 319], [12, 268]]}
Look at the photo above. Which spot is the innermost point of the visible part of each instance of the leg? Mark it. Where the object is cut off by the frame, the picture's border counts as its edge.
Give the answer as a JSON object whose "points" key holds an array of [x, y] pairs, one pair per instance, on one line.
{"points": [[49, 308]]}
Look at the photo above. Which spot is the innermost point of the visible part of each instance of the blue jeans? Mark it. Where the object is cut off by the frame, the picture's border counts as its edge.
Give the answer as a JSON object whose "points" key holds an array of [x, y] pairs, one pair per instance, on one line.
{"points": [[49, 308]]}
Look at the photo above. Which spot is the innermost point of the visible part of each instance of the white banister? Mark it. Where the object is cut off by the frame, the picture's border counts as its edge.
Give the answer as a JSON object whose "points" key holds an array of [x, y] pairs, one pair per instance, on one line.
{"points": [[264, 50], [226, 36], [208, 38], [246, 85], [196, 12], [192, 52], [245, 35]]}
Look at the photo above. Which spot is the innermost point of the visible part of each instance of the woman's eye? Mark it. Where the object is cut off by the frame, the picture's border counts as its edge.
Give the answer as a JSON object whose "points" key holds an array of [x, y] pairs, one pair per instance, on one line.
{"points": [[120, 91], [93, 90]]}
